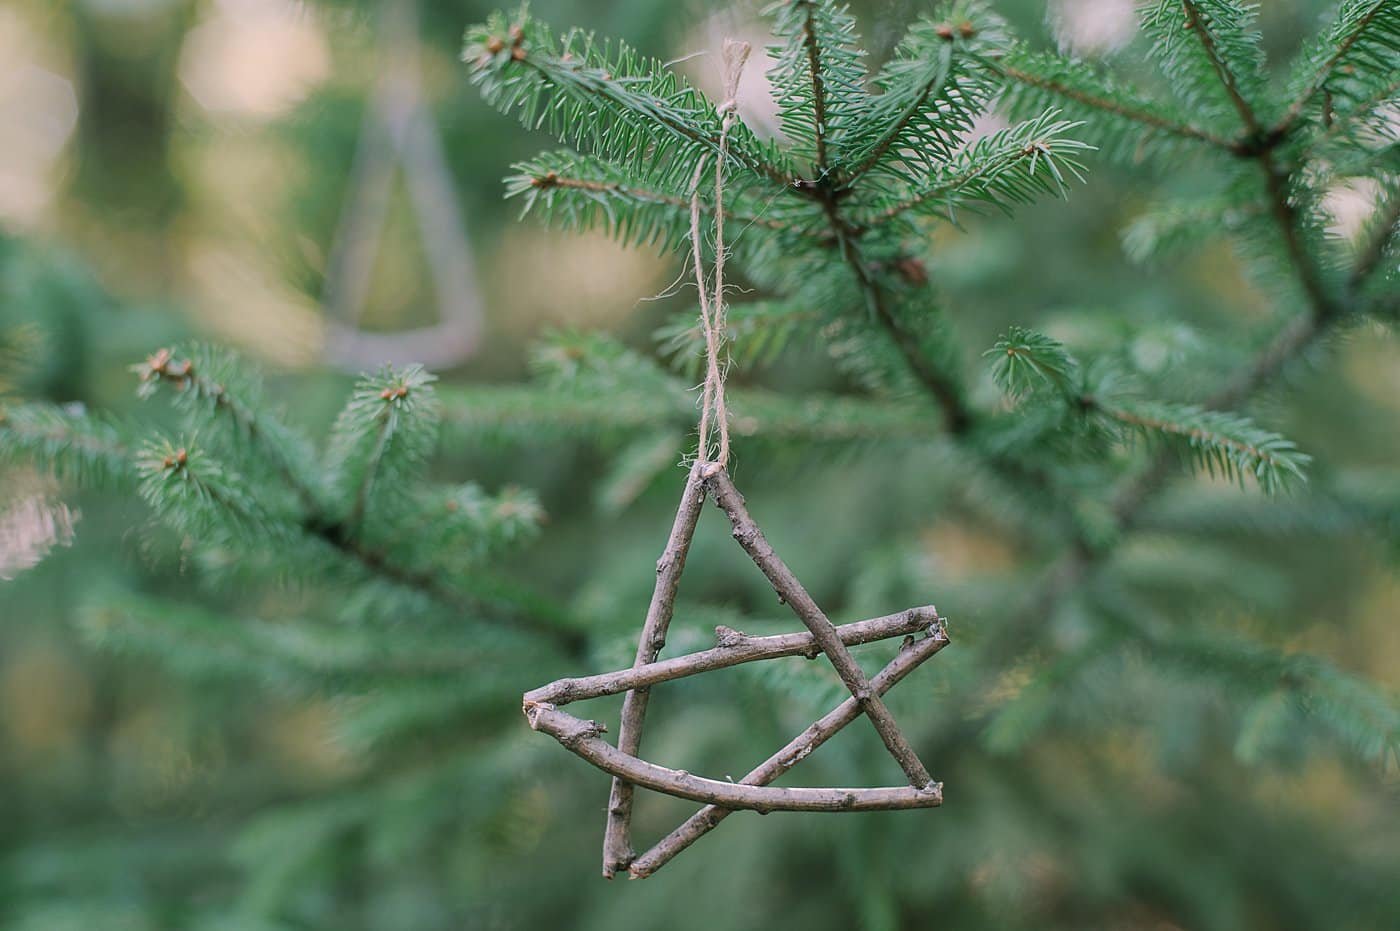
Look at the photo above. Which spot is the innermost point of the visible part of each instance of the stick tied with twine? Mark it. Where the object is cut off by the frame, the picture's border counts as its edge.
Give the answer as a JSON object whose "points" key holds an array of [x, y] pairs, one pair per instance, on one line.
{"points": [[714, 414]]}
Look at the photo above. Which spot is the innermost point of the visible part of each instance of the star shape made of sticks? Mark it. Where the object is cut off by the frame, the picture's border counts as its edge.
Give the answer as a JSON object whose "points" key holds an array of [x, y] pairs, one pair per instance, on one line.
{"points": [[754, 792]]}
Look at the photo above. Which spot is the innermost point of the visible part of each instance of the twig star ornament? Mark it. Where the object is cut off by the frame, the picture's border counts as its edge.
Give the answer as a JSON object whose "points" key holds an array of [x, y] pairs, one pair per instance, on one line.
{"points": [[922, 629]]}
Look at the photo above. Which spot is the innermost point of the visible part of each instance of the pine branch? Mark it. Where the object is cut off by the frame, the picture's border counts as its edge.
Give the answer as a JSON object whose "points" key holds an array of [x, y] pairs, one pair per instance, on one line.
{"points": [[1023, 361], [1286, 217], [189, 376], [579, 193], [989, 173], [1363, 41], [1197, 22], [1385, 234], [1048, 77], [616, 106], [1355, 21], [1226, 443], [957, 417], [380, 440], [818, 77], [67, 441]]}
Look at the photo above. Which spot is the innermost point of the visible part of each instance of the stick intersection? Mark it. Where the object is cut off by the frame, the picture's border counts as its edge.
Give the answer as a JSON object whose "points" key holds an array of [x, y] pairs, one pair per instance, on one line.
{"points": [[754, 792]]}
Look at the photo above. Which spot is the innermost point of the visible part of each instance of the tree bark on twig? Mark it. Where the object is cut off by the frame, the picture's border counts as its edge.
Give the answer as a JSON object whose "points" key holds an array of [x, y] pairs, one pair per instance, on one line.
{"points": [[791, 591], [581, 737], [911, 655], [734, 647], [617, 842]]}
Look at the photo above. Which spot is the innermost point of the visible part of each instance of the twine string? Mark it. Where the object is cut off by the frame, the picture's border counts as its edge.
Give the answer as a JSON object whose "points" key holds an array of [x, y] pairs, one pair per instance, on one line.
{"points": [[714, 413]]}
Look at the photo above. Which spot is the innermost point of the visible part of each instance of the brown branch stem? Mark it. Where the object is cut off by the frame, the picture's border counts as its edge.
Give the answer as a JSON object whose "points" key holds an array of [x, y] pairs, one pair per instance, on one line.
{"points": [[911, 655], [581, 738], [617, 844], [734, 648], [787, 586]]}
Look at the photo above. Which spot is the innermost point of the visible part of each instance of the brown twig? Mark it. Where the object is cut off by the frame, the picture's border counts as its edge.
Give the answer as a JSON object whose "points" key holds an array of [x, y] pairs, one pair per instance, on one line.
{"points": [[910, 657], [617, 845], [751, 538], [734, 648], [581, 738]]}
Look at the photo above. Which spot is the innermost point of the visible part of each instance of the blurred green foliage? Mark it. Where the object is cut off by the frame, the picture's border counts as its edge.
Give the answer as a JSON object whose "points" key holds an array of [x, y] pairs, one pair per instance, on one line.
{"points": [[308, 717]]}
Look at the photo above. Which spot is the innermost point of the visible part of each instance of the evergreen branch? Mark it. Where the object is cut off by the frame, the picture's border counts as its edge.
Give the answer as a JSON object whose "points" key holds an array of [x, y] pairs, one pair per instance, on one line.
{"points": [[905, 118], [1385, 236], [381, 438], [1286, 218], [200, 497], [193, 384], [989, 173], [814, 68], [1219, 441], [818, 79], [1078, 83], [1024, 360], [565, 186], [618, 106], [510, 605], [957, 418], [1196, 22], [1355, 20], [67, 441]]}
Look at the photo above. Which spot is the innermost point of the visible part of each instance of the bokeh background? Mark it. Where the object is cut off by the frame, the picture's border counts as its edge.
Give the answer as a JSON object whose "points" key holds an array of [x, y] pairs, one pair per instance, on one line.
{"points": [[219, 169]]}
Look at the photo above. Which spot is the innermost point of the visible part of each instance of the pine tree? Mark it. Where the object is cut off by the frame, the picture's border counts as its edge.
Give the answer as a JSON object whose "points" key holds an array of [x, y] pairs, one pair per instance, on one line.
{"points": [[346, 569]]}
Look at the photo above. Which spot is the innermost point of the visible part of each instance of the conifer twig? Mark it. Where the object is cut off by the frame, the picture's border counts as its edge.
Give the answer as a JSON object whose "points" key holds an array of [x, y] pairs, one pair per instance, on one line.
{"points": [[911, 655], [1110, 106], [617, 845], [1319, 79], [1196, 23]]}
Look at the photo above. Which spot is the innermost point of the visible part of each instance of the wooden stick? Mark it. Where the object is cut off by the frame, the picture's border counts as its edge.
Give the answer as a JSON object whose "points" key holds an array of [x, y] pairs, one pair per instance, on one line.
{"points": [[733, 648], [911, 655], [617, 844], [581, 737], [791, 590]]}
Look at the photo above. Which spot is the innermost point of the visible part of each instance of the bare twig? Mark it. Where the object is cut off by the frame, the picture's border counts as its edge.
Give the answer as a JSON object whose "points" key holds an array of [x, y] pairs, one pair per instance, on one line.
{"points": [[734, 648], [617, 846], [581, 738], [910, 656], [791, 591]]}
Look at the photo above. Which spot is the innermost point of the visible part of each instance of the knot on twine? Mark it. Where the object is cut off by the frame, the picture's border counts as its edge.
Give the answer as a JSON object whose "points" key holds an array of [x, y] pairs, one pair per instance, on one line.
{"points": [[713, 410]]}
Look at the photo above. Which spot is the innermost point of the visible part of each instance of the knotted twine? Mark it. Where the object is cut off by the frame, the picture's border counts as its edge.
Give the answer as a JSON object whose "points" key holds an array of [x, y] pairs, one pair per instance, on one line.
{"points": [[714, 415]]}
